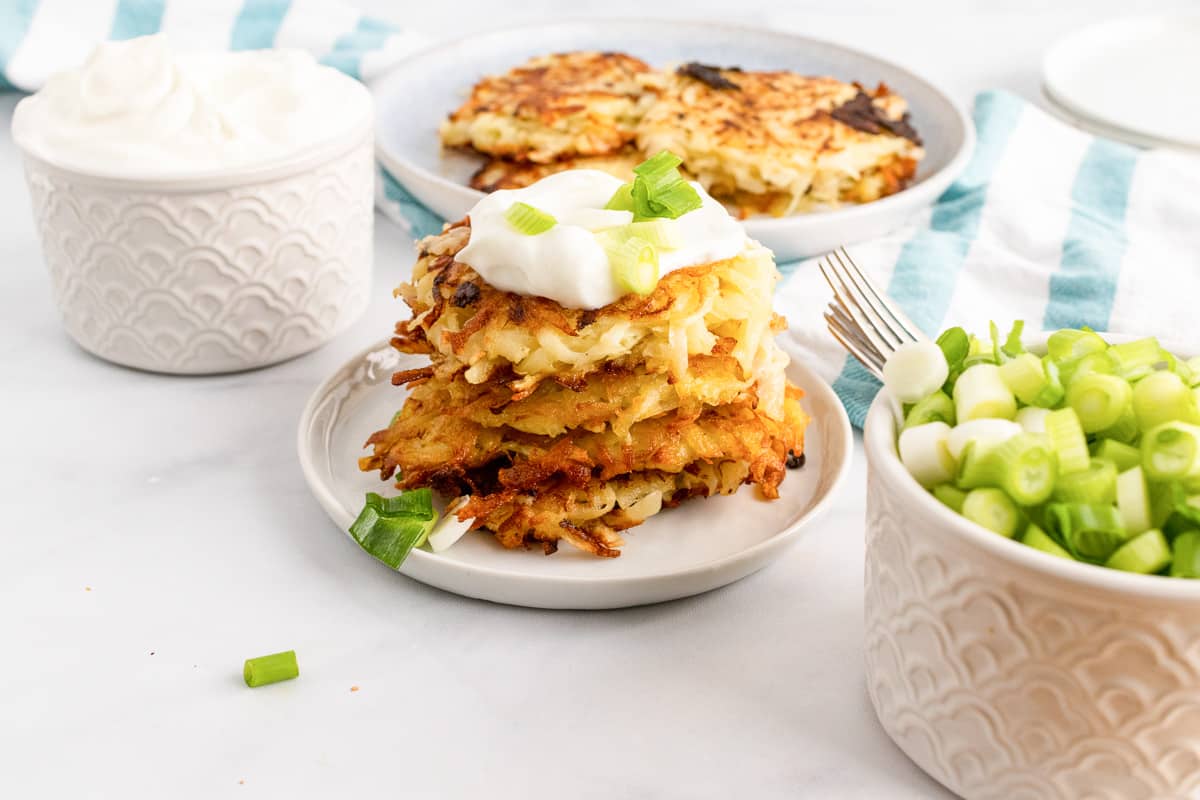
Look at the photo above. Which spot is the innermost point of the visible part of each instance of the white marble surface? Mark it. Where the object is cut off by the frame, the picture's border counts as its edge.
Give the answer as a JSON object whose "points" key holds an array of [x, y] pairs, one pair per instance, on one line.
{"points": [[157, 531]]}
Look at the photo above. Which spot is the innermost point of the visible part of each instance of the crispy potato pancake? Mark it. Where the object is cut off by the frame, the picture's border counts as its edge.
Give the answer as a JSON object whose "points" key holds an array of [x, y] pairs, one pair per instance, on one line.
{"points": [[553, 107], [528, 488], [502, 173], [777, 142], [723, 308]]}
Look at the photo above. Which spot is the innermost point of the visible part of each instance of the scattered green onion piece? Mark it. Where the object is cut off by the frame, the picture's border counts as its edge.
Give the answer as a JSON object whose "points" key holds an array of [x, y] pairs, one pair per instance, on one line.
{"points": [[992, 509], [1067, 439], [1171, 452], [924, 454], [622, 199], [1124, 456], [1133, 500], [1053, 392], [937, 407], [1096, 485], [955, 346], [634, 264], [664, 162], [528, 220], [390, 528], [951, 496], [1071, 345], [1038, 539], [1099, 400], [980, 393], [1185, 562], [1025, 377], [1033, 419], [1162, 397], [270, 669], [664, 234], [1137, 359], [983, 434], [1090, 532], [1024, 467], [1145, 553]]}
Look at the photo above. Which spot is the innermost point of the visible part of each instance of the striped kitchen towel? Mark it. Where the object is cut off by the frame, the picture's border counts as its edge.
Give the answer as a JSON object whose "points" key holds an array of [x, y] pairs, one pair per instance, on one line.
{"points": [[1046, 224]]}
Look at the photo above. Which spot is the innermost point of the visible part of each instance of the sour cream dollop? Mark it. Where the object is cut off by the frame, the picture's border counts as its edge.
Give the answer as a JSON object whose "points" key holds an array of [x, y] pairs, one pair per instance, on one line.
{"points": [[136, 109], [567, 263]]}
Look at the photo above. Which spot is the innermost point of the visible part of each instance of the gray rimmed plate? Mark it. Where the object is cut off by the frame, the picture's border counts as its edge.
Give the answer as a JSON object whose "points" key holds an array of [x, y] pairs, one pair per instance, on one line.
{"points": [[412, 100], [699, 546]]}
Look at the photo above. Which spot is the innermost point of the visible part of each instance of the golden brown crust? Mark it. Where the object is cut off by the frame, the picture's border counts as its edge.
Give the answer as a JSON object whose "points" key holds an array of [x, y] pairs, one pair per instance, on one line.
{"points": [[503, 173]]}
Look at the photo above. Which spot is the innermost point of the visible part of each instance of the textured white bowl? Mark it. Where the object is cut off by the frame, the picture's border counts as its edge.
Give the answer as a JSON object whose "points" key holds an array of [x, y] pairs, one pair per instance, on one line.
{"points": [[1004, 672], [215, 274]]}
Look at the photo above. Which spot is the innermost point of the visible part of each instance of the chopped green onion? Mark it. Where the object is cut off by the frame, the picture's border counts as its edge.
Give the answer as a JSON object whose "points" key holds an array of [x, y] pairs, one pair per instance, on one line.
{"points": [[1099, 400], [634, 263], [1124, 456], [937, 407], [1091, 364], [1024, 467], [528, 220], [1186, 560], [1067, 439], [1162, 397], [1090, 532], [1096, 485], [659, 190], [1193, 366], [1145, 553], [1137, 359], [1070, 345], [1033, 419], [951, 496], [390, 528], [622, 199], [1124, 430], [923, 453], [992, 509], [1025, 377], [662, 233], [270, 669], [1038, 539], [994, 332], [1171, 451], [1012, 346], [980, 393], [955, 346], [664, 162], [914, 371], [1133, 500], [1053, 392]]}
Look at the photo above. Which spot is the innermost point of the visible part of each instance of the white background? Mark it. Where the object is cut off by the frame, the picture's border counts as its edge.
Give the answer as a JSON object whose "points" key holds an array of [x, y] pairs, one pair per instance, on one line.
{"points": [[157, 531]]}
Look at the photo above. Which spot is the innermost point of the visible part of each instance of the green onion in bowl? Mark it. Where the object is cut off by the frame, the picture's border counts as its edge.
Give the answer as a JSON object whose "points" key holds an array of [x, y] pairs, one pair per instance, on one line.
{"points": [[1091, 452]]}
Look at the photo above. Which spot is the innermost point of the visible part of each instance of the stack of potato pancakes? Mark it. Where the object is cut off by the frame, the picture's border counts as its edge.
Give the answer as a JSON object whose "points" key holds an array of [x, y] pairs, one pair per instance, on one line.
{"points": [[570, 424]]}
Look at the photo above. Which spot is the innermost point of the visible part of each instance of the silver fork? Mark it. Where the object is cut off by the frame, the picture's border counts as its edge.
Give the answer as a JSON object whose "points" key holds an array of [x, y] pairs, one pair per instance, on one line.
{"points": [[861, 317]]}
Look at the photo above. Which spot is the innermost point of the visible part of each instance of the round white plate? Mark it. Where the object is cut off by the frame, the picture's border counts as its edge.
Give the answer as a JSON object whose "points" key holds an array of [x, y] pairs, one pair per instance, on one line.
{"points": [[698, 546], [1131, 79], [412, 101]]}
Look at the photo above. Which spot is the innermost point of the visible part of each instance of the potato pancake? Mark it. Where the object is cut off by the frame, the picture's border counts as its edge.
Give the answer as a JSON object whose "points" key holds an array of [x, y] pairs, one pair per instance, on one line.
{"points": [[553, 107], [503, 173]]}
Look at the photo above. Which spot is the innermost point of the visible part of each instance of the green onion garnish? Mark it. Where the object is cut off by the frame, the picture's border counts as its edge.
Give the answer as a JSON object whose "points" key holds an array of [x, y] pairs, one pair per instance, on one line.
{"points": [[634, 263], [658, 190], [1037, 538], [1145, 553], [389, 528], [529, 220], [1097, 484], [270, 669], [937, 407], [1099, 400], [1089, 532], [1123, 456], [622, 199], [992, 509]]}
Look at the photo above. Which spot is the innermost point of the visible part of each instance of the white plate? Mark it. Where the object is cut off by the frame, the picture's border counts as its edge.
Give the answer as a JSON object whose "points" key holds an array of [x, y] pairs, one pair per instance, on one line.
{"points": [[1131, 79], [412, 101], [699, 546]]}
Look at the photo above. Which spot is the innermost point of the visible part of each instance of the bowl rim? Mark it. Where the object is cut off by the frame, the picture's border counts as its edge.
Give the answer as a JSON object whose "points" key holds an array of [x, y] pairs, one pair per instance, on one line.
{"points": [[360, 134], [938, 180], [879, 443]]}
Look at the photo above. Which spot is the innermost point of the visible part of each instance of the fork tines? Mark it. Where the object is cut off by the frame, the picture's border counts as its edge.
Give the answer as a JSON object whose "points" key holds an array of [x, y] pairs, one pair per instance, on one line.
{"points": [[860, 316]]}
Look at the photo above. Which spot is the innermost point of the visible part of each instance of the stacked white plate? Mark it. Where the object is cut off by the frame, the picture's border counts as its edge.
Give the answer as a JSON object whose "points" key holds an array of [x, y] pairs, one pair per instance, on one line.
{"points": [[1130, 79]]}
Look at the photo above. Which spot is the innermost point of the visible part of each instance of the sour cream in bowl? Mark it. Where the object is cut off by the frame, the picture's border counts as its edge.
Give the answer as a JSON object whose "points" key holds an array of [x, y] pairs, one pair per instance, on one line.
{"points": [[201, 212]]}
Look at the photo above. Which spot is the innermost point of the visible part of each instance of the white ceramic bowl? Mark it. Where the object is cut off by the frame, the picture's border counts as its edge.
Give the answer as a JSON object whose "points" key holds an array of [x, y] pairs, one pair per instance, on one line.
{"points": [[1004, 672], [413, 99], [220, 273]]}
